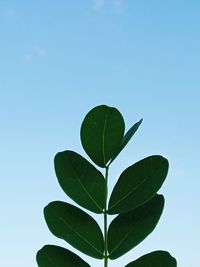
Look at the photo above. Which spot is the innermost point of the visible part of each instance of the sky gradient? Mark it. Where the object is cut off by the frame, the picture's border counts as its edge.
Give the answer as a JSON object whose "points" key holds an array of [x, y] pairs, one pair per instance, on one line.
{"points": [[59, 60]]}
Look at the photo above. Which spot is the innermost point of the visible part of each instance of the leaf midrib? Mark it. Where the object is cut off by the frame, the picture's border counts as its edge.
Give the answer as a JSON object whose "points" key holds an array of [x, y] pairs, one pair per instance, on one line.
{"points": [[103, 137], [125, 237], [148, 178], [87, 193], [77, 233], [129, 193]]}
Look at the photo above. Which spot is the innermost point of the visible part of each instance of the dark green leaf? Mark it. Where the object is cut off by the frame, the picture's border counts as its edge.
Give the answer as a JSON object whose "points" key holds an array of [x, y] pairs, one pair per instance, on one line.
{"points": [[129, 229], [137, 184], [80, 180], [54, 256], [127, 138], [76, 227], [102, 132], [156, 258]]}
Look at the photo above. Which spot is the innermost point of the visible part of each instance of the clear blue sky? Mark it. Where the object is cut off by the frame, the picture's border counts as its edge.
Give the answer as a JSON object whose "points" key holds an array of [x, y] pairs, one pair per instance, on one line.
{"points": [[58, 59]]}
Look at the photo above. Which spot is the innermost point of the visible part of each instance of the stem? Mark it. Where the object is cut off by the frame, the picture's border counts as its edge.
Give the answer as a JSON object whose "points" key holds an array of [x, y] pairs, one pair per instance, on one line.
{"points": [[105, 222]]}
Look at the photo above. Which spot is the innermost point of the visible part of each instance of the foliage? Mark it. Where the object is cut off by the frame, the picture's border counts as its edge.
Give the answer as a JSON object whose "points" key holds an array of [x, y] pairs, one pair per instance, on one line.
{"points": [[134, 198]]}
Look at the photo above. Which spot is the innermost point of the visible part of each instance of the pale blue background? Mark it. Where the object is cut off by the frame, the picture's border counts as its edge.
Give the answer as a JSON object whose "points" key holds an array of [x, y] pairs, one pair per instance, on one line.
{"points": [[58, 59]]}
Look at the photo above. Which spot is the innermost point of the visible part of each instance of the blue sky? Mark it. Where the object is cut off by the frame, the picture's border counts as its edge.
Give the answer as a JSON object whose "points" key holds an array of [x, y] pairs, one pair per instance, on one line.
{"points": [[60, 59]]}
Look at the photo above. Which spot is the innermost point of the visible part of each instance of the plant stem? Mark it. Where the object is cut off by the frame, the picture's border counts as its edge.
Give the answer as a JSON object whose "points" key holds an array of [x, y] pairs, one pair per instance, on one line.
{"points": [[105, 222]]}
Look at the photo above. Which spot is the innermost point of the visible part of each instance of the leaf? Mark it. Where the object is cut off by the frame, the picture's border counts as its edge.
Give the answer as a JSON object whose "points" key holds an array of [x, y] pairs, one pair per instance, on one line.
{"points": [[80, 180], [156, 258], [137, 184], [127, 138], [76, 227], [102, 132], [129, 229], [54, 256]]}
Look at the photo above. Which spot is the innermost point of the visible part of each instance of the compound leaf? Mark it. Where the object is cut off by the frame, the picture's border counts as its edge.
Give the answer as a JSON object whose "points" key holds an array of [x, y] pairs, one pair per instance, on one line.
{"points": [[76, 227], [157, 258], [127, 137], [54, 256], [137, 184], [102, 132], [80, 180], [129, 229]]}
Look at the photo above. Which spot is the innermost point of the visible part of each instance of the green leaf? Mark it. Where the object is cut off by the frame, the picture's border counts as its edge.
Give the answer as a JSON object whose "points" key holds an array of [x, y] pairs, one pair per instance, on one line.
{"points": [[137, 184], [80, 180], [76, 227], [102, 132], [127, 138], [129, 229], [54, 256], [157, 258]]}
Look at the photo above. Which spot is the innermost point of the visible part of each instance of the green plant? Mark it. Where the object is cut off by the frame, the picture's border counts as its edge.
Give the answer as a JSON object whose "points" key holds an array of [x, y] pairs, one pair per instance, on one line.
{"points": [[134, 198]]}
